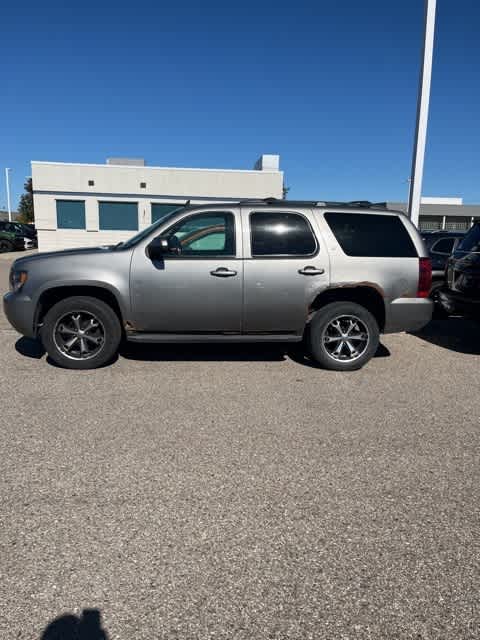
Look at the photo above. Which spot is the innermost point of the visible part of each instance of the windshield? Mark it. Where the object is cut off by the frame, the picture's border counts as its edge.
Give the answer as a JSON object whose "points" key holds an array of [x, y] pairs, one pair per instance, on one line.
{"points": [[138, 237], [471, 242]]}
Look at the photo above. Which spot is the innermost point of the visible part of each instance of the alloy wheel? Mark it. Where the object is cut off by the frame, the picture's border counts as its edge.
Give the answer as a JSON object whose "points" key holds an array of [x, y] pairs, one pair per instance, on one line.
{"points": [[79, 335], [345, 338]]}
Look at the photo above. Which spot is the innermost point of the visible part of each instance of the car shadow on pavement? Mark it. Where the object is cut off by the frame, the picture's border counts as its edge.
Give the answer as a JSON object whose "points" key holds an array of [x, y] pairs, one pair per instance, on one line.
{"points": [[85, 626], [254, 352], [30, 348], [299, 355], [258, 352], [204, 352], [454, 333]]}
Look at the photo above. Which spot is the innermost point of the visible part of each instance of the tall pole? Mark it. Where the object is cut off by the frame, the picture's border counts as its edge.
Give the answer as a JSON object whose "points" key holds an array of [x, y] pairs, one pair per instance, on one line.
{"points": [[7, 180], [422, 114]]}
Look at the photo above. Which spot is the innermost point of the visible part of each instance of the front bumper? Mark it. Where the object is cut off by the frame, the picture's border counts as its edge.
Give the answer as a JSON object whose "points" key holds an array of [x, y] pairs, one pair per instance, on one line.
{"points": [[407, 314], [20, 311]]}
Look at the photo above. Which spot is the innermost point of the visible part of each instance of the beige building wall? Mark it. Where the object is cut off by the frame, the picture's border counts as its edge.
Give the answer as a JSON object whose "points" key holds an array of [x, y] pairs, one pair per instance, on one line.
{"points": [[63, 181]]}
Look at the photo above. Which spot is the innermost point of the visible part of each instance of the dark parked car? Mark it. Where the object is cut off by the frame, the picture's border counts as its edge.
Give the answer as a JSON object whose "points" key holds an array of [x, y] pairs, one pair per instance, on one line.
{"points": [[461, 292], [440, 245], [26, 232], [10, 241]]}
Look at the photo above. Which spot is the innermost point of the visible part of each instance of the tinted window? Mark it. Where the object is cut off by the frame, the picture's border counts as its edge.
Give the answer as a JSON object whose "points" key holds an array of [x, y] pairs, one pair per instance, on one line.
{"points": [[118, 216], [281, 234], [70, 214], [444, 246], [371, 235], [471, 242], [206, 234]]}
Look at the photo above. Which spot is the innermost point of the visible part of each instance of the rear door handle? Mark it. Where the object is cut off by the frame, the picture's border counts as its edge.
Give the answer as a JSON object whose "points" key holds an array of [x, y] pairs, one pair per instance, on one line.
{"points": [[223, 272], [311, 271]]}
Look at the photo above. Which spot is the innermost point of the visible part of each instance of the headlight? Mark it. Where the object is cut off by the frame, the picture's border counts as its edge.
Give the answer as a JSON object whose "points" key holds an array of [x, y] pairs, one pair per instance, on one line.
{"points": [[17, 279]]}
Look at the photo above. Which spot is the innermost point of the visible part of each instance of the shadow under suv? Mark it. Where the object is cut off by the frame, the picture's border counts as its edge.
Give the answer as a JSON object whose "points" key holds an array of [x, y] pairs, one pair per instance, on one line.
{"points": [[334, 274]]}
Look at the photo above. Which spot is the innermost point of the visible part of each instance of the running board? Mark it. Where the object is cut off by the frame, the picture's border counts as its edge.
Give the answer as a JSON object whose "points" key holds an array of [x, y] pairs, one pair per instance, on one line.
{"points": [[212, 337]]}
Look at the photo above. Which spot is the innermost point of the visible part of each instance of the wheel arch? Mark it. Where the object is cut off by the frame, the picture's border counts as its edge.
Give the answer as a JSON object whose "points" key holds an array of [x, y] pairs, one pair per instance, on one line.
{"points": [[367, 296], [52, 295]]}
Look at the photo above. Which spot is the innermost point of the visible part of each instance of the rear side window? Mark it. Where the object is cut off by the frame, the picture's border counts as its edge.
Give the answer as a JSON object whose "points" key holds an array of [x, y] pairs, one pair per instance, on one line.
{"points": [[471, 242], [371, 235], [444, 246], [281, 234]]}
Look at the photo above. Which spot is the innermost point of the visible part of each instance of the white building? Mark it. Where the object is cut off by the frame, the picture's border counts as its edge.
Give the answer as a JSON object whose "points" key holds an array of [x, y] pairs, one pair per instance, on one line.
{"points": [[80, 205], [443, 213]]}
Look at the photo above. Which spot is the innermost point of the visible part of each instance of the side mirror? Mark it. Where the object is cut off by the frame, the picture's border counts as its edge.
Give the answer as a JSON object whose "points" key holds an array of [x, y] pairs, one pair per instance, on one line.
{"points": [[163, 245]]}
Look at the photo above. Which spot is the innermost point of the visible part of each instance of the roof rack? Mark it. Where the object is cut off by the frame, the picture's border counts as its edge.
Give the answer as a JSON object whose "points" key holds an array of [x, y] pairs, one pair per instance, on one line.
{"points": [[353, 204]]}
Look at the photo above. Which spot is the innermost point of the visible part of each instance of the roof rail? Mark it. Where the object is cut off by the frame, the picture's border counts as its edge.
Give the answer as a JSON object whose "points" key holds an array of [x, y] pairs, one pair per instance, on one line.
{"points": [[357, 204], [277, 201]]}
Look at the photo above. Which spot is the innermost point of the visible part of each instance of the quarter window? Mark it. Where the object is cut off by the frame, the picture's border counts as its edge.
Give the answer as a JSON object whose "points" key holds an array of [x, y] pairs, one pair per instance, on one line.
{"points": [[70, 214], [118, 216], [371, 235], [281, 234], [444, 246], [206, 234]]}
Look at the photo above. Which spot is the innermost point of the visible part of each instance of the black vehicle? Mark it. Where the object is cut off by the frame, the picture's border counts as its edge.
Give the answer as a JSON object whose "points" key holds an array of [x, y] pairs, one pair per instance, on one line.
{"points": [[461, 292], [440, 245], [28, 231], [25, 234]]}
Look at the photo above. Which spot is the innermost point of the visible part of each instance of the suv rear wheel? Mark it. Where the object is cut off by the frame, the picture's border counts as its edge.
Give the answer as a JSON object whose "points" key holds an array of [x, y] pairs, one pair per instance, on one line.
{"points": [[81, 333], [343, 336]]}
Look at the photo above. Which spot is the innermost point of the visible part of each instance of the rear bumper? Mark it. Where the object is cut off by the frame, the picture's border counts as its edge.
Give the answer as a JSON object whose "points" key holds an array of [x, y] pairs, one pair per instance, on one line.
{"points": [[407, 314], [19, 310]]}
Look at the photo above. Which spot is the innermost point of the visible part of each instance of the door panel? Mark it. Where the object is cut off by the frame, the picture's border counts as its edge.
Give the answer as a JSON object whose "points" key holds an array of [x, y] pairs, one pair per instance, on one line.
{"points": [[279, 288], [199, 290]]}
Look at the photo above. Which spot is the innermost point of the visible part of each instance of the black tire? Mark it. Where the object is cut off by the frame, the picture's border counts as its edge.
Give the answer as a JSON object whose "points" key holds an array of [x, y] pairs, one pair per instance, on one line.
{"points": [[439, 311], [322, 336], [102, 337], [5, 245]]}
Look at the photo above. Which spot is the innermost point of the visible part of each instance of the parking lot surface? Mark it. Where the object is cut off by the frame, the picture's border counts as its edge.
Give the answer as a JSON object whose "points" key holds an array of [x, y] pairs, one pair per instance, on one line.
{"points": [[191, 492]]}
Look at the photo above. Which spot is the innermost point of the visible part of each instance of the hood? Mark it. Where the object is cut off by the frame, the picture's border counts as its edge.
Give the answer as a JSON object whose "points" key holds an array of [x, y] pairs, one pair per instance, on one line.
{"points": [[83, 251]]}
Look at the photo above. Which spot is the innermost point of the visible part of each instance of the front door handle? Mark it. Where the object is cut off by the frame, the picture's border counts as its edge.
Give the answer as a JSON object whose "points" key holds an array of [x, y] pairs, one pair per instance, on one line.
{"points": [[311, 271], [223, 272]]}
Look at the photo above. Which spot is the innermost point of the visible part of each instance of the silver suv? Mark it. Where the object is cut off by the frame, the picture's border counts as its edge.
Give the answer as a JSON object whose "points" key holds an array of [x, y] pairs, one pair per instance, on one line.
{"points": [[334, 275]]}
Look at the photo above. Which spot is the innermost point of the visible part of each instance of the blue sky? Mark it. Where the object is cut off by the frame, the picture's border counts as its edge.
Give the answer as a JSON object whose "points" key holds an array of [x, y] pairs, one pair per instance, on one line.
{"points": [[330, 86]]}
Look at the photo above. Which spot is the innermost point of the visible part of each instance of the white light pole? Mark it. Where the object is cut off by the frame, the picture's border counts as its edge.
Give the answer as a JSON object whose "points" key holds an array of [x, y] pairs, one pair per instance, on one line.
{"points": [[7, 180], [422, 114]]}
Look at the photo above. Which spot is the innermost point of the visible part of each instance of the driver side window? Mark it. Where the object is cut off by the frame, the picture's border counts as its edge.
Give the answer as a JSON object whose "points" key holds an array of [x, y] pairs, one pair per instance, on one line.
{"points": [[205, 234]]}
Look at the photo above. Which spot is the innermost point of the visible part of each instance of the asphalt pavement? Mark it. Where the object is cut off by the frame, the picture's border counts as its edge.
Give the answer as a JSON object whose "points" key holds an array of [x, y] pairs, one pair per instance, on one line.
{"points": [[232, 492]]}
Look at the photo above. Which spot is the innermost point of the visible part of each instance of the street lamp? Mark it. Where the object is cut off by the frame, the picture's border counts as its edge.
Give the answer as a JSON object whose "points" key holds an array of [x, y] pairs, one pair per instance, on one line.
{"points": [[7, 180], [422, 114]]}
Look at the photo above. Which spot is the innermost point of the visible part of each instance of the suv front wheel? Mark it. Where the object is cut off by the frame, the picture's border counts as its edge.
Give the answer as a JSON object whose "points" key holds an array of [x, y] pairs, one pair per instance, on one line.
{"points": [[81, 333], [343, 336]]}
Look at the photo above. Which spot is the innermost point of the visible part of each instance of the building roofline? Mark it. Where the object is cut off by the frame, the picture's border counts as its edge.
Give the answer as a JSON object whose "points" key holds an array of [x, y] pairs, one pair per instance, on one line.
{"points": [[256, 172]]}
